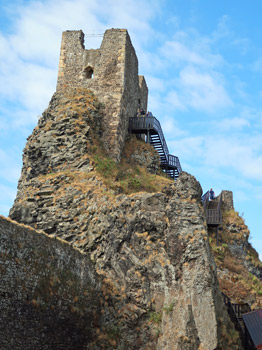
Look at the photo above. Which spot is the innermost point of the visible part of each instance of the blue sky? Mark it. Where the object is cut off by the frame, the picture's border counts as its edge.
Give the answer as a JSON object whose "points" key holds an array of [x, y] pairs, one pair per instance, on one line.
{"points": [[202, 61]]}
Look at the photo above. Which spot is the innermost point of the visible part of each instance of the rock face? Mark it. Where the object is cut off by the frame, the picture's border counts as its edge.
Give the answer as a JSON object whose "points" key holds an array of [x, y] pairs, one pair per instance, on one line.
{"points": [[49, 292], [238, 264], [158, 277]]}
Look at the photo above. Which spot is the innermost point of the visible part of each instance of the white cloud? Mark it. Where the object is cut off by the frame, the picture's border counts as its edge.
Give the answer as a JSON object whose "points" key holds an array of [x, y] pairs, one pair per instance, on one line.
{"points": [[178, 52], [155, 83], [222, 31], [171, 128], [243, 44], [187, 146], [241, 155], [174, 100], [196, 89], [190, 48], [236, 123], [203, 90]]}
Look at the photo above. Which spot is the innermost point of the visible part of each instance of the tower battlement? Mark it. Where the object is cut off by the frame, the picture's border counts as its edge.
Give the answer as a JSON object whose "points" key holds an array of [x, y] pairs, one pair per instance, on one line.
{"points": [[111, 72]]}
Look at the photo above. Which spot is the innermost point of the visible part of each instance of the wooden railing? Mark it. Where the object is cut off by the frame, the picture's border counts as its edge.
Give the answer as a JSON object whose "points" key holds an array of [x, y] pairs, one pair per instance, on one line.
{"points": [[213, 215]]}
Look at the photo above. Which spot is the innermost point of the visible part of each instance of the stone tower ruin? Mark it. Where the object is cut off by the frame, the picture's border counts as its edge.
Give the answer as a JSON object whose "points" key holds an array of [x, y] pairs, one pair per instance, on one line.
{"points": [[111, 72]]}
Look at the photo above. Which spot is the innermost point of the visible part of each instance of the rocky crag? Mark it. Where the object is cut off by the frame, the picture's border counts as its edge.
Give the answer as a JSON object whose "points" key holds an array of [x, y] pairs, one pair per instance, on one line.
{"points": [[147, 237], [153, 269], [238, 265]]}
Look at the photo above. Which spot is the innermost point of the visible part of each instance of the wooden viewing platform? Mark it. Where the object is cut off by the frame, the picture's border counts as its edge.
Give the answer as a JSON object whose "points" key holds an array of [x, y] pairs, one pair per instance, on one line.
{"points": [[212, 209], [151, 128]]}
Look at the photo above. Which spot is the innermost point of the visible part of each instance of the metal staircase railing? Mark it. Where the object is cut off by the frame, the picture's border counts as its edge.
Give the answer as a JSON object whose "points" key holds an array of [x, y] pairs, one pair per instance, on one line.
{"points": [[235, 312], [151, 127]]}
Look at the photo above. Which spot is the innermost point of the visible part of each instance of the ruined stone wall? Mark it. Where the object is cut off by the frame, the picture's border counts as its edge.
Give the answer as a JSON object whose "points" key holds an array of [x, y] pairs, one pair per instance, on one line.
{"points": [[143, 92], [111, 72], [48, 291], [227, 200]]}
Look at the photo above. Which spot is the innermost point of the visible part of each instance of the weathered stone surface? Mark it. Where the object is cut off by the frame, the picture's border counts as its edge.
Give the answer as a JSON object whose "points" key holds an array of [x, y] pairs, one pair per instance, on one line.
{"points": [[49, 292], [227, 200], [153, 253], [149, 160], [238, 265], [113, 78]]}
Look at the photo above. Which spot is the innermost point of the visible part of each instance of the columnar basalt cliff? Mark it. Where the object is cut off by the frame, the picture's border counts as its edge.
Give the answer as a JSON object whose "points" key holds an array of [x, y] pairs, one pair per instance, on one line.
{"points": [[143, 238], [111, 72], [151, 249]]}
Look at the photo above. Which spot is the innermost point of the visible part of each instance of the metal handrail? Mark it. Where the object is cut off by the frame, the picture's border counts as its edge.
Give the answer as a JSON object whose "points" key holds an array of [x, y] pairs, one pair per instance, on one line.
{"points": [[205, 200], [235, 315], [174, 161], [141, 122], [147, 124], [161, 136]]}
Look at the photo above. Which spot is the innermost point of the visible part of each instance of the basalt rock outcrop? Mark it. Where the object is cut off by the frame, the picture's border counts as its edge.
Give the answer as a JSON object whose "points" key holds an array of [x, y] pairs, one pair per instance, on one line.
{"points": [[238, 265], [151, 252]]}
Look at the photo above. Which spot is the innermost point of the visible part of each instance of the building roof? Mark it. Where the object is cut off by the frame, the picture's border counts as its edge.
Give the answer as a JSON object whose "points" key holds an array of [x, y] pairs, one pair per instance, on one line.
{"points": [[253, 322]]}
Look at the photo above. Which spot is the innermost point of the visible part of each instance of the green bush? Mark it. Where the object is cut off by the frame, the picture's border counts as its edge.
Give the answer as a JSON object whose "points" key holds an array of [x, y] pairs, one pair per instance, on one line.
{"points": [[134, 183], [155, 317], [105, 166]]}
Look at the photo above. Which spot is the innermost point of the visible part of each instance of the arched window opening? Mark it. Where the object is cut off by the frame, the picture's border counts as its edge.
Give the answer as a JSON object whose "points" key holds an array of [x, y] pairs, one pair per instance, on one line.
{"points": [[88, 72]]}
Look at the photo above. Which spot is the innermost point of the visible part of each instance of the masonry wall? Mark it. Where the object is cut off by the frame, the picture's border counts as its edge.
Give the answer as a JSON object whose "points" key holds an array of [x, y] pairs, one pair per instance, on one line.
{"points": [[227, 200], [48, 292], [111, 72]]}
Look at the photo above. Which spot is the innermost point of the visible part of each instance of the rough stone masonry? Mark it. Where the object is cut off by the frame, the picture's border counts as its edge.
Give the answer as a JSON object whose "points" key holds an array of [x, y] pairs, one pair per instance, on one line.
{"points": [[111, 72]]}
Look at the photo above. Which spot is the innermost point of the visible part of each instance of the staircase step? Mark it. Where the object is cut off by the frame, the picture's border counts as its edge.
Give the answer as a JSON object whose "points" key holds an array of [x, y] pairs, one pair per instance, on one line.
{"points": [[157, 140]]}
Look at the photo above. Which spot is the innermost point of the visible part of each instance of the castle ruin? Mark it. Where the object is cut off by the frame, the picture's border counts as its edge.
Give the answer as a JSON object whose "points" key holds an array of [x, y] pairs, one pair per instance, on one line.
{"points": [[111, 72]]}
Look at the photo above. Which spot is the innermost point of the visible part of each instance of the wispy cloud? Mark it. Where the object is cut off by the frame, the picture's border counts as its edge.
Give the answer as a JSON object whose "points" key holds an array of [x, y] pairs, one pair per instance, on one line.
{"points": [[231, 124], [190, 50], [204, 91], [175, 100], [257, 65]]}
